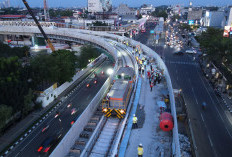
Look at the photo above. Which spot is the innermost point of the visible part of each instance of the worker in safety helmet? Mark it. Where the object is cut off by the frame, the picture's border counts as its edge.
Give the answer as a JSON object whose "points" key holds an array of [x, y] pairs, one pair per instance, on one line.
{"points": [[140, 150], [135, 120]]}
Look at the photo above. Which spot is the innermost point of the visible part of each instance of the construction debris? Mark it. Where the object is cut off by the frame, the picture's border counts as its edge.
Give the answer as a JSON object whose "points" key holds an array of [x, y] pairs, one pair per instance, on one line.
{"points": [[185, 146]]}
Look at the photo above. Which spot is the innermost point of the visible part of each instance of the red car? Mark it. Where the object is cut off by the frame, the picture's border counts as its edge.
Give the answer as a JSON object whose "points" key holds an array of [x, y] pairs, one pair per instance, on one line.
{"points": [[73, 111], [45, 128]]}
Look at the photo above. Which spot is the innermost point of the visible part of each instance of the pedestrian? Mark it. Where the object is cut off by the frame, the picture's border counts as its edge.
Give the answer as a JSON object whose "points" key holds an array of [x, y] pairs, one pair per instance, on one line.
{"points": [[154, 82], [151, 85], [140, 150], [135, 120], [139, 69], [142, 69], [151, 67], [148, 74]]}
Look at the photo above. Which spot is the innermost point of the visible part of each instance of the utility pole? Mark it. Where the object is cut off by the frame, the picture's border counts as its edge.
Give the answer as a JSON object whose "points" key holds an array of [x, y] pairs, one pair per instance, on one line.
{"points": [[39, 26]]}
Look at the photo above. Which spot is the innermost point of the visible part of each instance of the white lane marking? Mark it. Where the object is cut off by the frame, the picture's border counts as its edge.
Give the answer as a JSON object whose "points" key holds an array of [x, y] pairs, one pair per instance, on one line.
{"points": [[32, 139], [211, 143], [194, 95], [177, 78], [219, 114], [214, 103], [228, 132], [202, 118]]}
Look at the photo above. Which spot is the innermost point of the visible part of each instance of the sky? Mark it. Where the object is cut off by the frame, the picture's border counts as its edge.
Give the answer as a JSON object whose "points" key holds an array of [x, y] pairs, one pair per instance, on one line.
{"points": [[131, 3]]}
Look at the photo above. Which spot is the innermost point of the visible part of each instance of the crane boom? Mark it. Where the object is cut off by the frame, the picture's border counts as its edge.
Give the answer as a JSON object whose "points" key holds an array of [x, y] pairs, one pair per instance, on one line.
{"points": [[39, 26]]}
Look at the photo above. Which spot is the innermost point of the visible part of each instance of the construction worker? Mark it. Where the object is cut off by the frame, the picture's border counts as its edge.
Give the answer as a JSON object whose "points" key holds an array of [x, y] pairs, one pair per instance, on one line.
{"points": [[135, 120], [140, 150]]}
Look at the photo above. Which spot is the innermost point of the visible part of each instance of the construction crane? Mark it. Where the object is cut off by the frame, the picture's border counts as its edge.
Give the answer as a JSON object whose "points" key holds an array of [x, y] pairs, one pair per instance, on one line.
{"points": [[39, 26]]}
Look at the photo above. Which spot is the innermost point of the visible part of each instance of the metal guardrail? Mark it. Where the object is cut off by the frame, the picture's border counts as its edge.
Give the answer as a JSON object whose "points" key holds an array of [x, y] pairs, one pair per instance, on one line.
{"points": [[54, 25]]}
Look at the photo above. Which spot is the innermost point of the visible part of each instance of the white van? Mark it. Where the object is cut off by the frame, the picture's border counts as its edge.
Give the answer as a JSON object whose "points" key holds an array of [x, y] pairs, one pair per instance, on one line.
{"points": [[191, 51]]}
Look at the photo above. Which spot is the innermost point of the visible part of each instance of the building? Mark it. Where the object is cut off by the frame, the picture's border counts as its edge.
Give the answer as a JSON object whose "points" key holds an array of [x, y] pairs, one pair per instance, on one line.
{"points": [[123, 9], [213, 19], [195, 15], [176, 9], [13, 17], [102, 16], [227, 22], [147, 9], [99, 6]]}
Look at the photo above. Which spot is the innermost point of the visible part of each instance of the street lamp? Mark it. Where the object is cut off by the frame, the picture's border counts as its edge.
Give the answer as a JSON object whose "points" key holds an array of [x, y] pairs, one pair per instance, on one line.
{"points": [[110, 71]]}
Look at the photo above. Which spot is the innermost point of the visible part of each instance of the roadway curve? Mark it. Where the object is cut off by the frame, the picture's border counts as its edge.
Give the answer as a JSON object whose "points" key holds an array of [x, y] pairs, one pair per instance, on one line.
{"points": [[80, 98]]}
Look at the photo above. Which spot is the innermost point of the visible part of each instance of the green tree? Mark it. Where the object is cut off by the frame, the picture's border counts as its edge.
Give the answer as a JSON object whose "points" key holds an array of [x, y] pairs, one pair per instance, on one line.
{"points": [[5, 114], [218, 48], [58, 67], [99, 23], [59, 12], [64, 66], [139, 16], [28, 101], [175, 17], [7, 51], [160, 12], [87, 52]]}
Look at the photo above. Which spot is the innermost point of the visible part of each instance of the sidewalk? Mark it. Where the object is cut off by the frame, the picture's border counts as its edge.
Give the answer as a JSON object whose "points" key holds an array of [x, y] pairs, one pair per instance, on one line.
{"points": [[153, 139]]}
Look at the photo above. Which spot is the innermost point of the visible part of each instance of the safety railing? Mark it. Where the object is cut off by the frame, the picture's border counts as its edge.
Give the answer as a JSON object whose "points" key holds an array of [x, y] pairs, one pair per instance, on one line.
{"points": [[119, 29]]}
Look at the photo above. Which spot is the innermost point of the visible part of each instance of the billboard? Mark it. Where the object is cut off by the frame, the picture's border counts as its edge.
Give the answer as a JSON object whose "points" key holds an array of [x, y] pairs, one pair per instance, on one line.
{"points": [[227, 30]]}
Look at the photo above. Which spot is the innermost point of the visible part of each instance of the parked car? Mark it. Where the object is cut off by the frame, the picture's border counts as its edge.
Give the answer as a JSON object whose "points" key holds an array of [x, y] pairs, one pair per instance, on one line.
{"points": [[178, 53], [191, 51]]}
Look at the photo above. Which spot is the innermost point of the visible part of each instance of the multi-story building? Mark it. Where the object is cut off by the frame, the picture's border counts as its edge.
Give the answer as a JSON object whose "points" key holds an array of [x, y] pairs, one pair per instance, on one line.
{"points": [[176, 9], [195, 14], [99, 6], [123, 9], [227, 22], [147, 9], [213, 19]]}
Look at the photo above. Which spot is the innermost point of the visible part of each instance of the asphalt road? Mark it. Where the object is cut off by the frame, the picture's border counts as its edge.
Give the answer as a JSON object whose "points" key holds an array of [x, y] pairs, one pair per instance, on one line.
{"points": [[80, 98], [212, 129]]}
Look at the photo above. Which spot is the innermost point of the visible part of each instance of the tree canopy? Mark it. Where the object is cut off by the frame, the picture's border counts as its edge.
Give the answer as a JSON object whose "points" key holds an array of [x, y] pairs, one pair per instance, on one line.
{"points": [[57, 67], [99, 23], [160, 12], [7, 51], [218, 48], [19, 77], [59, 12], [88, 52]]}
